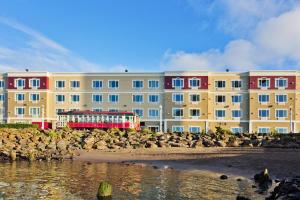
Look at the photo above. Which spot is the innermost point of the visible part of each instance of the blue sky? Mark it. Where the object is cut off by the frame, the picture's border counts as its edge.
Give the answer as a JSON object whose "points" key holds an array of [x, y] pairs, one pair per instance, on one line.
{"points": [[141, 35]]}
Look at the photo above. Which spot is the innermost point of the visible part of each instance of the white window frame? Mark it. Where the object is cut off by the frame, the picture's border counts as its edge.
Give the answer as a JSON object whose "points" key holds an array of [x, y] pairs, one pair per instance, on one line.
{"points": [[268, 128], [177, 87], [113, 88], [34, 101], [222, 98], [97, 109], [2, 84], [139, 102], [220, 88], [60, 102], [236, 88], [35, 116], [175, 127], [194, 117], [174, 99], [281, 102], [137, 88], [97, 88], [287, 130], [241, 112], [263, 87], [134, 109], [197, 127], [2, 97], [278, 79], [194, 102], [263, 118], [108, 98], [71, 98], [16, 99], [153, 117], [239, 95], [74, 87], [34, 79], [113, 109], [158, 85], [177, 117], [237, 127], [220, 118], [196, 79], [263, 102], [287, 113], [21, 79], [19, 115], [153, 95], [56, 84], [97, 95]]}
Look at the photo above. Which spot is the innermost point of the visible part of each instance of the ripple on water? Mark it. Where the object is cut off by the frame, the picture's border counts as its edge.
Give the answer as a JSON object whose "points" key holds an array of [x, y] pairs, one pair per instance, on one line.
{"points": [[77, 180]]}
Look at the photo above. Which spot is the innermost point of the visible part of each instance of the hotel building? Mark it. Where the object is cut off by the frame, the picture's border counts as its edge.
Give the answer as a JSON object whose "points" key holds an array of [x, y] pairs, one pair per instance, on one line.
{"points": [[194, 101]]}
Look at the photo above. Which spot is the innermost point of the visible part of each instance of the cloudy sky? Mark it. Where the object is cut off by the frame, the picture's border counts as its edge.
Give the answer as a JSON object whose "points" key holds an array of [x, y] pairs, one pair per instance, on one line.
{"points": [[153, 35]]}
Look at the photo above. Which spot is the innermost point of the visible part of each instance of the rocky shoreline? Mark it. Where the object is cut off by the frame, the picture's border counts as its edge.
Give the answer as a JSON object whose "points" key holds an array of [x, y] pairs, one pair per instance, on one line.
{"points": [[34, 144]]}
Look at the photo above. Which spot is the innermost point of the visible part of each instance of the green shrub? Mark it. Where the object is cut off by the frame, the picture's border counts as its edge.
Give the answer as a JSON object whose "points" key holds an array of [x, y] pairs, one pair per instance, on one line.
{"points": [[19, 126], [52, 133]]}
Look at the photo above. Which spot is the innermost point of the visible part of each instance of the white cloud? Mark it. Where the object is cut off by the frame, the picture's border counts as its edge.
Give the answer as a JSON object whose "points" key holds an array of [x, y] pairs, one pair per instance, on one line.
{"points": [[37, 52], [273, 43]]}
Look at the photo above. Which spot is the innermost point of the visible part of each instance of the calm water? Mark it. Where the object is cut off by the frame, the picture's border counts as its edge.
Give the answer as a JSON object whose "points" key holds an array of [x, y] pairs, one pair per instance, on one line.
{"points": [[79, 180]]}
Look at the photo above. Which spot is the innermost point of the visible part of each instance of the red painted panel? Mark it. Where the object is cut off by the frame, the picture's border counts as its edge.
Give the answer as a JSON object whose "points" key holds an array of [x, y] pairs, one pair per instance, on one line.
{"points": [[47, 125], [253, 81], [44, 82], [98, 125], [204, 81]]}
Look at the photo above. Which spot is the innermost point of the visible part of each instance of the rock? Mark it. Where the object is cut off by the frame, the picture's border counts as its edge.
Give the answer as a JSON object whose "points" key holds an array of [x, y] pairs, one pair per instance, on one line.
{"points": [[3, 184], [61, 145], [41, 146], [207, 142], [223, 177], [51, 146], [88, 142], [100, 145], [286, 189], [263, 179], [13, 155], [242, 198], [221, 143], [104, 190]]}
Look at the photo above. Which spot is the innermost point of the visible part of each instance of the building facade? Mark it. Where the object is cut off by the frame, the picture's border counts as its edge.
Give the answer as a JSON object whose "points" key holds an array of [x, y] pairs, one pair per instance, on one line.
{"points": [[191, 101]]}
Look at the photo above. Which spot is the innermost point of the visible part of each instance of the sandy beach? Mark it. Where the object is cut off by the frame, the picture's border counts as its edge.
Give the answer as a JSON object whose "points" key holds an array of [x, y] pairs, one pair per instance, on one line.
{"points": [[231, 161]]}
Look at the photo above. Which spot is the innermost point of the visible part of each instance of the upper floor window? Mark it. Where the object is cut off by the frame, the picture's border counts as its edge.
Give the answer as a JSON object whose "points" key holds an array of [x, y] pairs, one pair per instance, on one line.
{"points": [[2, 97], [97, 98], [137, 98], [281, 98], [60, 98], [75, 98], [60, 84], [177, 98], [281, 83], [153, 84], [113, 84], [263, 98], [97, 84], [194, 83], [236, 113], [97, 109], [113, 110], [34, 83], [177, 112], [153, 113], [137, 84], [20, 97], [194, 98], [220, 84], [34, 97], [138, 111], [220, 99], [1, 84], [281, 113], [113, 98], [177, 82], [20, 83], [236, 84], [20, 111], [263, 113], [75, 84], [264, 82], [220, 113], [236, 98], [34, 112], [194, 112], [153, 98]]}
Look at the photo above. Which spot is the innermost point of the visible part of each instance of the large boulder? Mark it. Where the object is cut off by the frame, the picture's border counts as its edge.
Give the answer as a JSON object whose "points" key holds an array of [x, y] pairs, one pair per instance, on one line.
{"points": [[61, 145], [88, 142], [100, 145]]}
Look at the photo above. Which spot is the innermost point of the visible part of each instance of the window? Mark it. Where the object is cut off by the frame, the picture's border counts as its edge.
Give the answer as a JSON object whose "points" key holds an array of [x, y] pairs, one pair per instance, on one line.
{"points": [[281, 113], [236, 98], [264, 83], [20, 97], [20, 111], [263, 113], [220, 84], [34, 97], [177, 82], [281, 83], [97, 98], [281, 98], [2, 97], [177, 112], [60, 98], [74, 84], [97, 109], [34, 112], [113, 98], [220, 99], [34, 83], [20, 83], [194, 83], [194, 129], [113, 84], [220, 113], [195, 113], [194, 98], [153, 113], [236, 113], [177, 97], [264, 130], [236, 84], [177, 129], [1, 84], [60, 84], [281, 130], [236, 130], [137, 84], [153, 84], [75, 98], [137, 98], [138, 111], [97, 84], [113, 110], [153, 98], [263, 98], [59, 110]]}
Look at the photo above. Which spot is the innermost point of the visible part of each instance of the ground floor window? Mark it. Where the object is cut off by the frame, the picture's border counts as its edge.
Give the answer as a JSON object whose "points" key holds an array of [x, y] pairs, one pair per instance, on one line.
{"points": [[264, 130], [195, 129], [281, 130], [153, 128], [236, 130], [177, 129]]}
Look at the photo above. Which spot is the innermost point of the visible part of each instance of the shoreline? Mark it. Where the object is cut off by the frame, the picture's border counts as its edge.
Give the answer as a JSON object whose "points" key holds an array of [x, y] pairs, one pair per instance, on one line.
{"points": [[235, 161]]}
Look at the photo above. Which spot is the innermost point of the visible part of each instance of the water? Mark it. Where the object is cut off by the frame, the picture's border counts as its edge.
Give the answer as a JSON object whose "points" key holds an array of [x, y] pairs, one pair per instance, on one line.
{"points": [[80, 180]]}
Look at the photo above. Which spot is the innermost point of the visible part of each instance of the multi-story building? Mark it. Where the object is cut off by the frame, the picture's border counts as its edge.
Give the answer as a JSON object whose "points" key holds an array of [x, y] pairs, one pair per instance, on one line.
{"points": [[194, 101]]}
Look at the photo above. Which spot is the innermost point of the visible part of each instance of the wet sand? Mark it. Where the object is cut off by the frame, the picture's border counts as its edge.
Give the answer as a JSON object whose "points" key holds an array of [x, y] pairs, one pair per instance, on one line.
{"points": [[231, 161]]}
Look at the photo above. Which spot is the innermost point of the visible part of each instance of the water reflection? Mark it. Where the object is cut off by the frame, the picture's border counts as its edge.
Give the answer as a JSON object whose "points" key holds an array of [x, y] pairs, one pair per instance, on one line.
{"points": [[80, 180]]}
